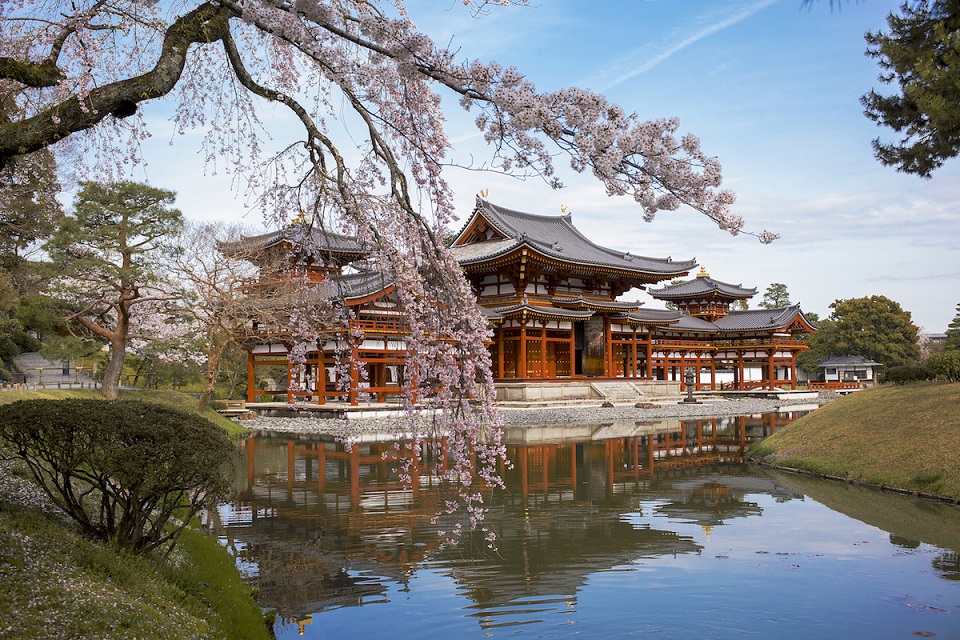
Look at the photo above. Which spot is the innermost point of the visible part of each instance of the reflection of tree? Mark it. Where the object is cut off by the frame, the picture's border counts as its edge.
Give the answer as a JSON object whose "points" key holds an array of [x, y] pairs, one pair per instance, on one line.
{"points": [[947, 564], [906, 543]]}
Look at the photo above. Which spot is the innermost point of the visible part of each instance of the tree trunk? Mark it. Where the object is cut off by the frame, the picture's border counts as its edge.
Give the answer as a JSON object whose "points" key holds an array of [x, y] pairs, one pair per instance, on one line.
{"points": [[114, 369], [214, 356]]}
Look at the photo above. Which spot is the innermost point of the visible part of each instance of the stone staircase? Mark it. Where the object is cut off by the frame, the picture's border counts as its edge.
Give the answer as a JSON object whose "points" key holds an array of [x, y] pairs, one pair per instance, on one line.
{"points": [[617, 391], [36, 373]]}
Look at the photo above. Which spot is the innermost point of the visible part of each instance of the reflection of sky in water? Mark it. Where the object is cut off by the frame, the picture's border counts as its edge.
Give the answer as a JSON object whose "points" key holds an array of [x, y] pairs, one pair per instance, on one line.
{"points": [[701, 553]]}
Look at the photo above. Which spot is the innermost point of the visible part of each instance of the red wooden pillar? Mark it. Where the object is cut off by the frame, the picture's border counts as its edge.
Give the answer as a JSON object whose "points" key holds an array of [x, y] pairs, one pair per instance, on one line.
{"points": [[649, 371], [793, 370], [608, 369], [683, 371], [543, 349], [522, 364], [634, 347], [354, 377], [696, 383], [573, 349], [771, 370], [498, 337]]}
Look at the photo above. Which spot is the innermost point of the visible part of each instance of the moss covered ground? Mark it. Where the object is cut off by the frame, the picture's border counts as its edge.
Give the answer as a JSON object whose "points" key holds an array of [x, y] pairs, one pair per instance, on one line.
{"points": [[902, 436]]}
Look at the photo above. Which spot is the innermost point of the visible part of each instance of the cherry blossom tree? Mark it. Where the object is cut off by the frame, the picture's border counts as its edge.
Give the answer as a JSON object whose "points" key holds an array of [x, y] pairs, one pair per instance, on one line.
{"points": [[223, 294], [105, 256], [81, 70]]}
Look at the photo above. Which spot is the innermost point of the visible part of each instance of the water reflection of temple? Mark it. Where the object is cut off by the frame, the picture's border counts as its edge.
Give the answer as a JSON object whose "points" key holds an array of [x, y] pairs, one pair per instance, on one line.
{"points": [[320, 526]]}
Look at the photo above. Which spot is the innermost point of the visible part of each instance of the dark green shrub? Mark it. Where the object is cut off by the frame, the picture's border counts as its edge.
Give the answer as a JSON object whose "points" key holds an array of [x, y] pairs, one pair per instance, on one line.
{"points": [[129, 472], [905, 374]]}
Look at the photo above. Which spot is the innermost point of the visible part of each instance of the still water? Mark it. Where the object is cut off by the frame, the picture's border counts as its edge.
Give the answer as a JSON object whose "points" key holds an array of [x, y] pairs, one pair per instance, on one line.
{"points": [[624, 530]]}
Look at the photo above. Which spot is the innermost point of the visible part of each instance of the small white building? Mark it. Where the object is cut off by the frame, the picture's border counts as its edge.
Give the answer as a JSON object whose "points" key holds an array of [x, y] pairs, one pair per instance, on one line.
{"points": [[850, 369]]}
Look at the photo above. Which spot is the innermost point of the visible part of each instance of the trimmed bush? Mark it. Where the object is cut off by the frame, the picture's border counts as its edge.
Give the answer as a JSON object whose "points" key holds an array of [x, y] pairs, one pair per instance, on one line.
{"points": [[128, 472], [905, 374]]}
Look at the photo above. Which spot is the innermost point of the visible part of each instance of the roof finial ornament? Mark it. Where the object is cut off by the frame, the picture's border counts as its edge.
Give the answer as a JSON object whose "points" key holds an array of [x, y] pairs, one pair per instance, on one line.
{"points": [[703, 272], [484, 193], [563, 208], [301, 217]]}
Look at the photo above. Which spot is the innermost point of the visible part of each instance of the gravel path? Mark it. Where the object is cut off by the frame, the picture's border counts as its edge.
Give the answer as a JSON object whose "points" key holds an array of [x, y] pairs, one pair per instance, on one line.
{"points": [[558, 415]]}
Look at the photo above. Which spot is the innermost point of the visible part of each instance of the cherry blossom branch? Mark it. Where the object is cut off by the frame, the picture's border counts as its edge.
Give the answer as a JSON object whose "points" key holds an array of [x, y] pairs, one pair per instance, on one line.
{"points": [[205, 24]]}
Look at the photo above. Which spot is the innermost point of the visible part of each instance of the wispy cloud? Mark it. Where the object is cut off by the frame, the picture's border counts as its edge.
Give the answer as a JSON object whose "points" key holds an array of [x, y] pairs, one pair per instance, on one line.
{"points": [[648, 57]]}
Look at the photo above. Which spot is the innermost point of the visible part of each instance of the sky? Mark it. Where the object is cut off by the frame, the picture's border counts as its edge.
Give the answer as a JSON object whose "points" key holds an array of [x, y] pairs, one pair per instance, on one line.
{"points": [[772, 90]]}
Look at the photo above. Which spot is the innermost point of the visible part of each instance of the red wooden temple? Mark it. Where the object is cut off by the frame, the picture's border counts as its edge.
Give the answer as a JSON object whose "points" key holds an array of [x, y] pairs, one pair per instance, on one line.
{"points": [[552, 298]]}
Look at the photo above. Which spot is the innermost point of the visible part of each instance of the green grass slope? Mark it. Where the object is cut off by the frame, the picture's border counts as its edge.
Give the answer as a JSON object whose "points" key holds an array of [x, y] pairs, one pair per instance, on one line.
{"points": [[898, 436]]}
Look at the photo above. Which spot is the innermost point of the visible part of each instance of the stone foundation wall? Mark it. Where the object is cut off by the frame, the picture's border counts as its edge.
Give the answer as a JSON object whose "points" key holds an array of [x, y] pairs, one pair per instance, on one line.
{"points": [[579, 390]]}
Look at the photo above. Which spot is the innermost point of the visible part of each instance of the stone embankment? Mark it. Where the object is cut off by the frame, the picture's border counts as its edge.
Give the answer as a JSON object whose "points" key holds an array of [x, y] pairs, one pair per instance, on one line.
{"points": [[560, 415]]}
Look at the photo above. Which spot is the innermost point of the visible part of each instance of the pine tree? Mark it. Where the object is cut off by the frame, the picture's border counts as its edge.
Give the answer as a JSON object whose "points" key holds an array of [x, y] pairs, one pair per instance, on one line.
{"points": [[953, 333], [775, 296], [921, 53]]}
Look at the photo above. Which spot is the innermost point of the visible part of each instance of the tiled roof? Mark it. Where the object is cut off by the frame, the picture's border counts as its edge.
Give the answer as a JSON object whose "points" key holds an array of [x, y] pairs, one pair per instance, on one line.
{"points": [[651, 316], [580, 302], [693, 323], [555, 237], [325, 241], [759, 319], [733, 322], [538, 310], [356, 285], [702, 286]]}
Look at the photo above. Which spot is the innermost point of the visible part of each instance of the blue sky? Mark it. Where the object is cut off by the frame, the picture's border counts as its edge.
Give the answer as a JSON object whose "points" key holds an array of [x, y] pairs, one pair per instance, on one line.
{"points": [[772, 90]]}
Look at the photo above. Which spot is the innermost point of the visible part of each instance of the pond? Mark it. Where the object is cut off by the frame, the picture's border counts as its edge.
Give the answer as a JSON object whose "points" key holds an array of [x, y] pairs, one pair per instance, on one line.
{"points": [[605, 531]]}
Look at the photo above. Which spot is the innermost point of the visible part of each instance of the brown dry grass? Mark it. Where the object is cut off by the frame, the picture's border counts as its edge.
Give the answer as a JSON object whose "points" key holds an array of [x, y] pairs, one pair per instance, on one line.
{"points": [[900, 436]]}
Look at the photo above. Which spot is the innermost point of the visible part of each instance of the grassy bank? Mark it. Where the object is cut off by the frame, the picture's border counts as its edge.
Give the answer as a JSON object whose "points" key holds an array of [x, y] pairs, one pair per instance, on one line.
{"points": [[897, 436], [54, 583], [170, 398]]}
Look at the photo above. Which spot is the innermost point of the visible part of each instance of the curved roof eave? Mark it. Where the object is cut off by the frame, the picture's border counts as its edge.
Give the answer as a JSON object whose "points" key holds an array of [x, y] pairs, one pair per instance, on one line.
{"points": [[520, 226]]}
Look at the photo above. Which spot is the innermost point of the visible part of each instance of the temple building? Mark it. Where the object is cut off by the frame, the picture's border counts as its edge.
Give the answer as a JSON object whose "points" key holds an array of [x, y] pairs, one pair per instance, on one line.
{"points": [[551, 296]]}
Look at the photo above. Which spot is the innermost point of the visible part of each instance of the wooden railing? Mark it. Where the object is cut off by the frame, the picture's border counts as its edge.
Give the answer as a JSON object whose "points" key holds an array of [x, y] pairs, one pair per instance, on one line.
{"points": [[835, 385], [394, 327], [747, 385], [688, 344], [369, 327]]}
